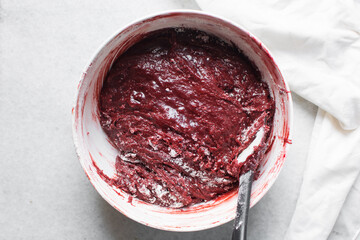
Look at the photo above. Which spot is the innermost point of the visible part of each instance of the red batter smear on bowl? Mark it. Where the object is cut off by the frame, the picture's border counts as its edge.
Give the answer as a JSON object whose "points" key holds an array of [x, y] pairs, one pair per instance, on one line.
{"points": [[180, 106]]}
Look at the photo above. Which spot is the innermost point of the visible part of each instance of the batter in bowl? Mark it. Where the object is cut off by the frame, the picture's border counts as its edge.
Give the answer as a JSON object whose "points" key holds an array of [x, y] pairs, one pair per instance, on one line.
{"points": [[180, 106]]}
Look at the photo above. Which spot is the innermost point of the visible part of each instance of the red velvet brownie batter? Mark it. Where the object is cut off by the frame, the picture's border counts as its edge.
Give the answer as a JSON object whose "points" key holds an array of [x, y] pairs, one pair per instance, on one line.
{"points": [[180, 106]]}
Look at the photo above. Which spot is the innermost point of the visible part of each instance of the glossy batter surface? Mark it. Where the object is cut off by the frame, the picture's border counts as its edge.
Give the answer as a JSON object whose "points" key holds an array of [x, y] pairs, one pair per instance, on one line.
{"points": [[180, 106]]}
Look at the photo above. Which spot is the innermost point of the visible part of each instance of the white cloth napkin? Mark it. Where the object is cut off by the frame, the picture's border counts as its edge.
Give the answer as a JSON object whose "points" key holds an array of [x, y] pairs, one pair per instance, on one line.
{"points": [[317, 47]]}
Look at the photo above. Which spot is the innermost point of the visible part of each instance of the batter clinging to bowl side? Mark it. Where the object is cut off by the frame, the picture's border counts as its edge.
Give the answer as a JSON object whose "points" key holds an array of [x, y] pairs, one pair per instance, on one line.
{"points": [[180, 105]]}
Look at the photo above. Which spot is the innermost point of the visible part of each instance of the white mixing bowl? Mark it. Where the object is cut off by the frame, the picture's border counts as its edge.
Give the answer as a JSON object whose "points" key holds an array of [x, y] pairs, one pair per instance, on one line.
{"points": [[96, 153]]}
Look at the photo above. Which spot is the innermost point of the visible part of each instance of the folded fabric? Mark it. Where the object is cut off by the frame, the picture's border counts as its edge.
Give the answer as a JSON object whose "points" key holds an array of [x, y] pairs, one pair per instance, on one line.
{"points": [[317, 47], [331, 170], [347, 225]]}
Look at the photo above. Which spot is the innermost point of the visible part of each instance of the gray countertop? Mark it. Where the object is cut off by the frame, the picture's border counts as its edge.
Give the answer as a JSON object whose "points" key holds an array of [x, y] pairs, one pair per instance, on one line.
{"points": [[44, 46]]}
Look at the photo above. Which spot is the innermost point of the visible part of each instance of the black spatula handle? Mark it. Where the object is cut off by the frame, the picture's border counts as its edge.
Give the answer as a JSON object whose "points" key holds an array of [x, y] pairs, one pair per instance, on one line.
{"points": [[243, 203]]}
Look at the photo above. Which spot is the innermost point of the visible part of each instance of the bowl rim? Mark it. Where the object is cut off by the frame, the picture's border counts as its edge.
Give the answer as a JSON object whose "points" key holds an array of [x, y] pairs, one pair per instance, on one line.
{"points": [[119, 31]]}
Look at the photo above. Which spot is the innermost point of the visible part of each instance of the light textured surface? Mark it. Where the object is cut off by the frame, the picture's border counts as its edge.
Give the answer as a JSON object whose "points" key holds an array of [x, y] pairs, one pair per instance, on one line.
{"points": [[44, 193]]}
